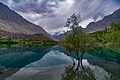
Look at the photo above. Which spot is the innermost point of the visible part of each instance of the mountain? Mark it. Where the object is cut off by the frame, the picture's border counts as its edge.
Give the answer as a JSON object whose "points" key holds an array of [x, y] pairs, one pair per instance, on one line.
{"points": [[58, 36], [104, 23], [10, 21], [98, 26], [21, 36]]}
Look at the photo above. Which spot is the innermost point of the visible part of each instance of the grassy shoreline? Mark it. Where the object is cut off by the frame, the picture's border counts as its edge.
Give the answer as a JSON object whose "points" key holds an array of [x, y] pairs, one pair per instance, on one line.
{"points": [[10, 41]]}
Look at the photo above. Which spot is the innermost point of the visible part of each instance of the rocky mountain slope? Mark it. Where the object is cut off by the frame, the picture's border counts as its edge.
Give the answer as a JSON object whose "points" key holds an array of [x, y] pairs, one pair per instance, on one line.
{"points": [[104, 23], [21, 36], [12, 22]]}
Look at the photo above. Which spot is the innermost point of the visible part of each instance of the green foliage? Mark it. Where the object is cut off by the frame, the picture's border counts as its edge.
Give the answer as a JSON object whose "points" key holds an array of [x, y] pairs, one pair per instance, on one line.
{"points": [[109, 38], [10, 41], [77, 39], [115, 26], [73, 21]]}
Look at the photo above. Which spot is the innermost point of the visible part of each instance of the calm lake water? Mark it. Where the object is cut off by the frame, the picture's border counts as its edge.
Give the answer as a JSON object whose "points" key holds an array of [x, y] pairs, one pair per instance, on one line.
{"points": [[33, 61]]}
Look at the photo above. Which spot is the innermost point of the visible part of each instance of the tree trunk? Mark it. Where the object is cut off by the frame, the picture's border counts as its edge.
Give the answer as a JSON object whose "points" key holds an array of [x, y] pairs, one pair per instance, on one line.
{"points": [[73, 62], [81, 61], [78, 66]]}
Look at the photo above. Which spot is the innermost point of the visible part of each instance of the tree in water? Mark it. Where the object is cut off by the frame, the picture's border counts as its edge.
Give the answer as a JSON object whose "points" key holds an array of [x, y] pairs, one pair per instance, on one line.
{"points": [[77, 40]]}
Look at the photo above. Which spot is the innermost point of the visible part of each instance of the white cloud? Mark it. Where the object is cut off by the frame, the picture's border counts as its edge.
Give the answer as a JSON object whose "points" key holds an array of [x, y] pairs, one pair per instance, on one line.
{"points": [[31, 16], [84, 23], [51, 3], [52, 14]]}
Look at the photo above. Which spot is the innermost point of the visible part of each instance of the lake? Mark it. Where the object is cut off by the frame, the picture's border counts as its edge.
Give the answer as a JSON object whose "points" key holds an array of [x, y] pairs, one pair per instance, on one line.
{"points": [[50, 62]]}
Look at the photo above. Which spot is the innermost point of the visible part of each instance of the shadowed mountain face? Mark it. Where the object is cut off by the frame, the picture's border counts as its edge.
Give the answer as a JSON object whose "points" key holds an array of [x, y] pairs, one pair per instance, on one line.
{"points": [[104, 23], [12, 22], [21, 36]]}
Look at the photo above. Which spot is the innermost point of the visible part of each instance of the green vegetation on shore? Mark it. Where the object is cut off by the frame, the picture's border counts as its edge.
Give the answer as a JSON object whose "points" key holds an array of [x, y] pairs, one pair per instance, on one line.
{"points": [[10, 41], [79, 42], [109, 38]]}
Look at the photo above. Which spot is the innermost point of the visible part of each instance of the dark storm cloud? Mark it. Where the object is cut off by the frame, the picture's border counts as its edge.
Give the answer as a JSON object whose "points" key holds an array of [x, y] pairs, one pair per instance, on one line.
{"points": [[117, 1], [30, 5], [52, 14], [38, 6], [17, 1]]}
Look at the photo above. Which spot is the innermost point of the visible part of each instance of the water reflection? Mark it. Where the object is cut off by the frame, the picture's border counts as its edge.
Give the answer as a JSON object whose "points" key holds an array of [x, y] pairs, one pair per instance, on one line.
{"points": [[52, 63], [49, 67], [106, 54], [19, 56], [52, 58], [12, 58], [113, 76], [73, 74], [89, 73]]}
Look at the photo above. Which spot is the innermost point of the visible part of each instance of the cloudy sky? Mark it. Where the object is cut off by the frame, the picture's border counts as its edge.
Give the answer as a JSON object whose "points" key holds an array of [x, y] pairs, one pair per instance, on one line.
{"points": [[52, 14]]}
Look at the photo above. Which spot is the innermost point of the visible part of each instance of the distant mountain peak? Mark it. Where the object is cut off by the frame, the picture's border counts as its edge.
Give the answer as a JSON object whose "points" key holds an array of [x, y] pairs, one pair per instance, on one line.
{"points": [[104, 23]]}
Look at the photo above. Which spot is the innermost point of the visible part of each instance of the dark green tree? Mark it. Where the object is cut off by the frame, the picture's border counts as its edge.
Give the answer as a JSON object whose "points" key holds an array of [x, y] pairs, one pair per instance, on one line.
{"points": [[77, 40]]}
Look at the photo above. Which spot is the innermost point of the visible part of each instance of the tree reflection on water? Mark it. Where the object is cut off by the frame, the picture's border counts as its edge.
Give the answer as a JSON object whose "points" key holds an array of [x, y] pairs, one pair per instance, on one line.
{"points": [[73, 74], [113, 76], [86, 74]]}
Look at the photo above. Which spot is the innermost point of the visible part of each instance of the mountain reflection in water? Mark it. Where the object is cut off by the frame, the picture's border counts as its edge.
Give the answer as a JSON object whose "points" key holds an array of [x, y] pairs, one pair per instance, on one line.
{"points": [[52, 63]]}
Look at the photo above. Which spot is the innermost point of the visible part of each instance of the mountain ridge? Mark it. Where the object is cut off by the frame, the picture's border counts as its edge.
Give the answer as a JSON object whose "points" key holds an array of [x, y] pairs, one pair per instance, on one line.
{"points": [[104, 23], [100, 25], [12, 22]]}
